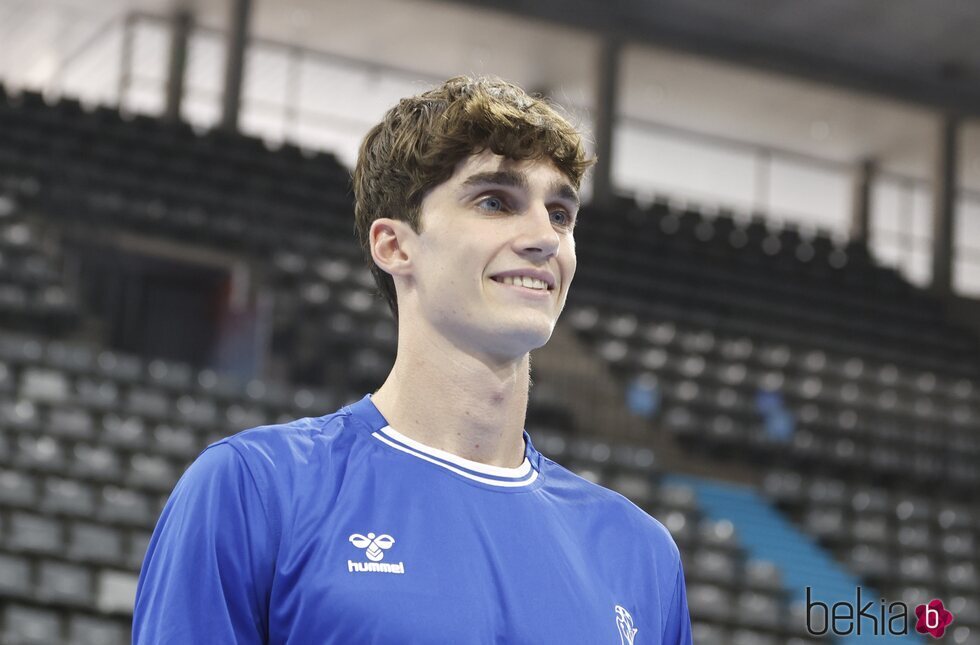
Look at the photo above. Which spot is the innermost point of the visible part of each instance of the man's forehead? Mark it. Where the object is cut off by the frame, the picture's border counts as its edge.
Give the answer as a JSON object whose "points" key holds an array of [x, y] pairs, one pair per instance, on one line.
{"points": [[487, 167]]}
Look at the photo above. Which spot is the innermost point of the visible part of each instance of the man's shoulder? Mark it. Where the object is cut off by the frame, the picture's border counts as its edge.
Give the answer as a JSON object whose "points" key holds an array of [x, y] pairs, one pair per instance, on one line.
{"points": [[615, 508], [282, 444]]}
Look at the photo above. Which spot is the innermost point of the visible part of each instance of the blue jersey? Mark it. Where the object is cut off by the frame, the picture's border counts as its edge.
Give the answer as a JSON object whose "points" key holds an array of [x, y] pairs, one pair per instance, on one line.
{"points": [[341, 530]]}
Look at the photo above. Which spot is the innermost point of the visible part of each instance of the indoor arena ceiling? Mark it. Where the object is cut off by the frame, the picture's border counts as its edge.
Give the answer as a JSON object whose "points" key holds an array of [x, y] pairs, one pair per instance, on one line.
{"points": [[921, 51]]}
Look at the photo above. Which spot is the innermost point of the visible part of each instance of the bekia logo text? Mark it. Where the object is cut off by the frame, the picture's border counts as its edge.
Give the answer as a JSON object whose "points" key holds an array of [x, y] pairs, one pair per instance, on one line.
{"points": [[844, 618]]}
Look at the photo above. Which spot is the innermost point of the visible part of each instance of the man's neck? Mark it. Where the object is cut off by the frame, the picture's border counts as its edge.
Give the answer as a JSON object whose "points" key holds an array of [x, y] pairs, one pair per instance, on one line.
{"points": [[465, 405]]}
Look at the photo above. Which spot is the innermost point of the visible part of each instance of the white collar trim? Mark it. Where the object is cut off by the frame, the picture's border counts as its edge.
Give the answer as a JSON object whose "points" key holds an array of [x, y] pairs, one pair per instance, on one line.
{"points": [[523, 474]]}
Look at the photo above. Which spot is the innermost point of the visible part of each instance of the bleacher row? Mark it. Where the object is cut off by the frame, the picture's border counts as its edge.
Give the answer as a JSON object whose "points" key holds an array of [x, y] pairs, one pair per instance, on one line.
{"points": [[713, 307], [854, 414]]}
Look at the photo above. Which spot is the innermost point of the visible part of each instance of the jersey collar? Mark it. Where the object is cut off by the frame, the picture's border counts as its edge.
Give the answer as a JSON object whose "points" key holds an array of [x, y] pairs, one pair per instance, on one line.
{"points": [[496, 476]]}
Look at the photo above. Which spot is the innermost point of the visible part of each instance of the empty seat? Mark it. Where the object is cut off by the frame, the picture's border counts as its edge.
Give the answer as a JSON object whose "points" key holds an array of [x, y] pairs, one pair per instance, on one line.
{"points": [[953, 516], [709, 602], [825, 523], [95, 461], [116, 591], [240, 417], [125, 430], [95, 630], [121, 367], [64, 583], [95, 543], [914, 537], [959, 544], [678, 496], [869, 562], [198, 410], [44, 384], [865, 500], [637, 488], [17, 488], [68, 496], [711, 565], [69, 357], [40, 452], [913, 509], [176, 440], [870, 529], [173, 376], [916, 568], [30, 625], [762, 575], [718, 534], [34, 533], [680, 525], [783, 487], [708, 633], [962, 576], [19, 414], [964, 635], [148, 402], [591, 451], [125, 506], [95, 392], [744, 636], [69, 422], [15, 576], [150, 471]]}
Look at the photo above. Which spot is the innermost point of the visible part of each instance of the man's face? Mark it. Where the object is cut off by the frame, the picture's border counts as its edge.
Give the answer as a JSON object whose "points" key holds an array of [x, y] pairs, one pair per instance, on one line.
{"points": [[493, 227]]}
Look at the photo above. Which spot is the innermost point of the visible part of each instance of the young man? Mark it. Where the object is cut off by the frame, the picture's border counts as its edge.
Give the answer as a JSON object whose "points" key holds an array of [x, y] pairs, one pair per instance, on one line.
{"points": [[423, 513]]}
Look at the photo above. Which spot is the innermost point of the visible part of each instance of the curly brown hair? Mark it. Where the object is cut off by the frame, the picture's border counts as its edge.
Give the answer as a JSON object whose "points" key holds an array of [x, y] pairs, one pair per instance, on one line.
{"points": [[420, 141]]}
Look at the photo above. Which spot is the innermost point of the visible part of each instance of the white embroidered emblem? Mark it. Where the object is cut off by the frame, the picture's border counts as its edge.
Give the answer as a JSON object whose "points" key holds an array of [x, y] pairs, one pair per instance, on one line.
{"points": [[372, 545], [374, 548], [625, 624]]}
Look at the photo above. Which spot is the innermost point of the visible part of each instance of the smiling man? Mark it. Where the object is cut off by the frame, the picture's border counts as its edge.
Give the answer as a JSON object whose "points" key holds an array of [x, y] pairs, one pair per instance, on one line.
{"points": [[423, 513]]}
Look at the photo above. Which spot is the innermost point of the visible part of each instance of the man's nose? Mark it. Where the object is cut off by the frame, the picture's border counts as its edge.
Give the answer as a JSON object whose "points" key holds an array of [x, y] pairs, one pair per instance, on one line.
{"points": [[539, 235]]}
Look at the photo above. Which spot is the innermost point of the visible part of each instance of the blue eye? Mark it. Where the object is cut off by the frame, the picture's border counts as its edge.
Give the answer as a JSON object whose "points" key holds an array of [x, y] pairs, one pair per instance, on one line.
{"points": [[566, 219], [492, 203]]}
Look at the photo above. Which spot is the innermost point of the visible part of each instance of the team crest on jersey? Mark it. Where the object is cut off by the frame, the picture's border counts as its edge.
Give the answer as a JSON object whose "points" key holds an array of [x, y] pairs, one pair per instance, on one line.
{"points": [[625, 624], [374, 547]]}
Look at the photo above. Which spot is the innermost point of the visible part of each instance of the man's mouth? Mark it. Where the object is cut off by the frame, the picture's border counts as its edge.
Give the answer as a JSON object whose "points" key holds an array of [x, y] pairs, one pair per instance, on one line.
{"points": [[523, 281]]}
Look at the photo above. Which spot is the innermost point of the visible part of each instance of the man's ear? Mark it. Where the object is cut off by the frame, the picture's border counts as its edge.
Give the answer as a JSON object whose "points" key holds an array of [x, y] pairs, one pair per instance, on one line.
{"points": [[390, 242]]}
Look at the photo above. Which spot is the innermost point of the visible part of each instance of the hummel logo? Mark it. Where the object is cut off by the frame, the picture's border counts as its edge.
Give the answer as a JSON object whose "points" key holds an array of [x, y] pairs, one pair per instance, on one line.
{"points": [[373, 546]]}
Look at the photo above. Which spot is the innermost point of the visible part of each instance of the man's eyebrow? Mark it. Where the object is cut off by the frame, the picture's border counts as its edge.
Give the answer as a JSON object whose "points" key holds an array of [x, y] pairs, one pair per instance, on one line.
{"points": [[565, 191], [499, 177], [516, 179]]}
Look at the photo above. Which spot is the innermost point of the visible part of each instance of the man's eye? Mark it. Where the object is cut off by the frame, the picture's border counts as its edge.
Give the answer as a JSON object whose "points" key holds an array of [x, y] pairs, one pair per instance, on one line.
{"points": [[492, 203], [563, 218]]}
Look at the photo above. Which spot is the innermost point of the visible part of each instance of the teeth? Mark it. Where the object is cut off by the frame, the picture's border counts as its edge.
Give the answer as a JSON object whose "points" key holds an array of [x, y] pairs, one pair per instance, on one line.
{"points": [[524, 281]]}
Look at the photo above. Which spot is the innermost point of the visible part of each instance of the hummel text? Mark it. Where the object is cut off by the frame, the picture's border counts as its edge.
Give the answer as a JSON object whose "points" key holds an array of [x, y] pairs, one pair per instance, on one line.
{"points": [[377, 567]]}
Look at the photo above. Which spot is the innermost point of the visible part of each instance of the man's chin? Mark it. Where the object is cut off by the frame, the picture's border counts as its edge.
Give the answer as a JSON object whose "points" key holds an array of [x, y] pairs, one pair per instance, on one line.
{"points": [[524, 338]]}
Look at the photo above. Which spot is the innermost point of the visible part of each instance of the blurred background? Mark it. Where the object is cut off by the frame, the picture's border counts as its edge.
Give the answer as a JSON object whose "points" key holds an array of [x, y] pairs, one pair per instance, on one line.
{"points": [[771, 343]]}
